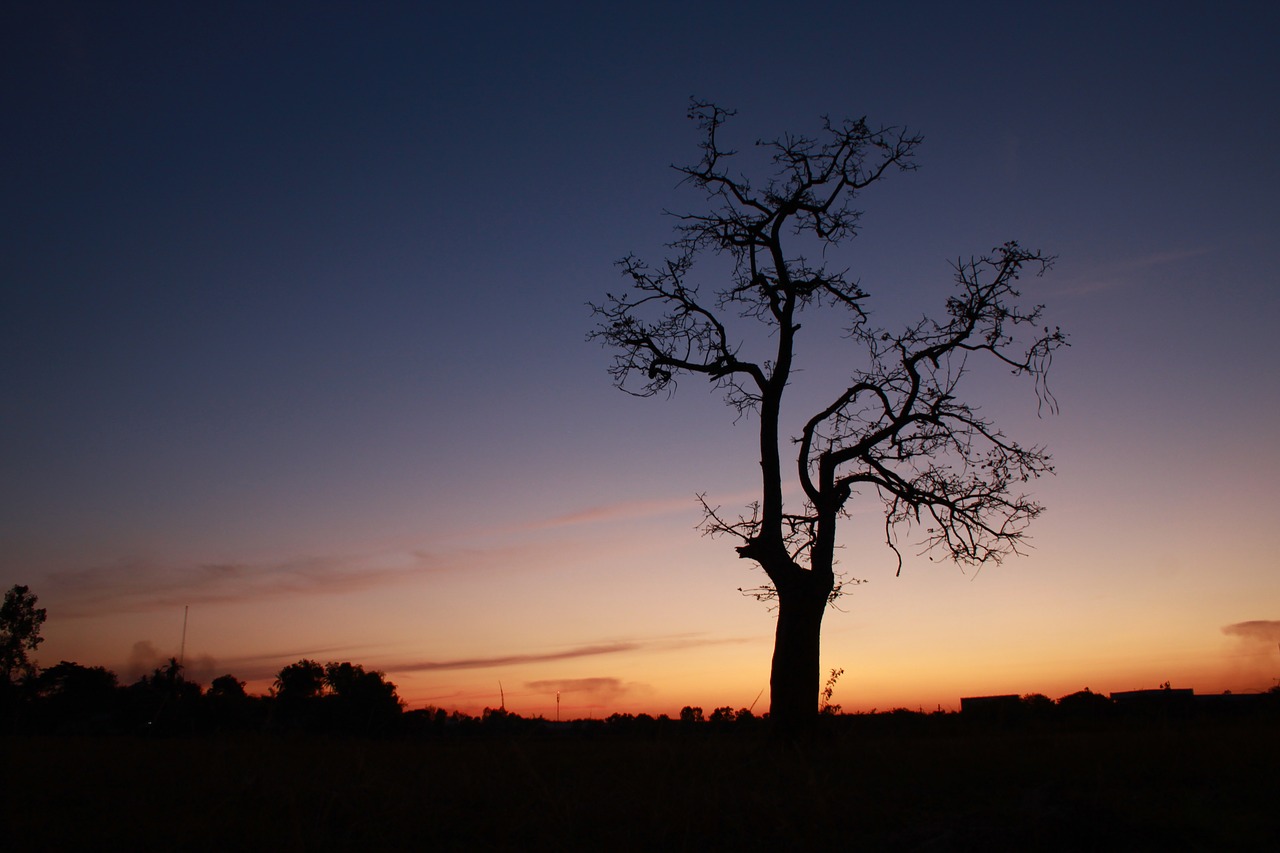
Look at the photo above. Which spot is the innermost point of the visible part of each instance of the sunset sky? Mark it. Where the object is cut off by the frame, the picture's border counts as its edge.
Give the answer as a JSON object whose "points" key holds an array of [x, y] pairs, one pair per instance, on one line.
{"points": [[293, 307]]}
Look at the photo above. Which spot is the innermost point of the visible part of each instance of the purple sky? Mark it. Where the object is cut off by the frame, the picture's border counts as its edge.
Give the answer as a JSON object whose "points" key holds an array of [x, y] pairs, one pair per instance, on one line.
{"points": [[294, 304]]}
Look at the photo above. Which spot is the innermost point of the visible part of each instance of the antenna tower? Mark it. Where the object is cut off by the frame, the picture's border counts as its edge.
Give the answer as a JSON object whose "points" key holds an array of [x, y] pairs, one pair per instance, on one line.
{"points": [[182, 649]]}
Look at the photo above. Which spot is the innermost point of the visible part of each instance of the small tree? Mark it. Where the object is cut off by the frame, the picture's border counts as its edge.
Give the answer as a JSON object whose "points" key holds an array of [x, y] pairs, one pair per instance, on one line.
{"points": [[828, 693], [691, 714], [168, 678], [227, 687], [20, 622], [896, 428]]}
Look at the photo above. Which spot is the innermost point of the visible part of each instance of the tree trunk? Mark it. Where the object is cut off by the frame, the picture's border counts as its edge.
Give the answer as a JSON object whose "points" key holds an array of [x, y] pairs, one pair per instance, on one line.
{"points": [[796, 676]]}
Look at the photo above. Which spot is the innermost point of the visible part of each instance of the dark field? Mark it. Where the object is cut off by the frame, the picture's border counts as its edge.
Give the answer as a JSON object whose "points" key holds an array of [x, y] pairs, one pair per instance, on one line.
{"points": [[1204, 787]]}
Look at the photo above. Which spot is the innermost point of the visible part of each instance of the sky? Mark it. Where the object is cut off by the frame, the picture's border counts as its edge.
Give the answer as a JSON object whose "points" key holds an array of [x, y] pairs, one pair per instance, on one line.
{"points": [[293, 316]]}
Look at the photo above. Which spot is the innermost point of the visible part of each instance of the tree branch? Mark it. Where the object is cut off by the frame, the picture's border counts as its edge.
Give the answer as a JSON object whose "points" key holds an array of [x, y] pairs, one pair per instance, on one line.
{"points": [[899, 426]]}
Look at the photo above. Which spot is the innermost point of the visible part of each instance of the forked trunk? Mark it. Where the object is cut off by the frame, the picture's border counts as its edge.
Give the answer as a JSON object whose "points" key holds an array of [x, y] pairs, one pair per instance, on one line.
{"points": [[796, 676]]}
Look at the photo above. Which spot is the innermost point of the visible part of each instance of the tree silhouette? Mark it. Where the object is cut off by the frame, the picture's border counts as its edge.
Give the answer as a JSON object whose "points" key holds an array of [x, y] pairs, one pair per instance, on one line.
{"points": [[344, 696], [895, 428], [20, 622], [229, 707], [70, 679], [301, 680], [364, 698], [227, 687], [74, 696], [298, 688]]}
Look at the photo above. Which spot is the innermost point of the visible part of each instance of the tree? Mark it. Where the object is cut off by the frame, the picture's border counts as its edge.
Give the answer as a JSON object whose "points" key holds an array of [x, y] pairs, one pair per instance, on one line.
{"points": [[227, 687], [70, 680], [691, 714], [895, 429], [298, 690], [364, 698], [77, 698], [353, 682], [301, 680], [20, 622]]}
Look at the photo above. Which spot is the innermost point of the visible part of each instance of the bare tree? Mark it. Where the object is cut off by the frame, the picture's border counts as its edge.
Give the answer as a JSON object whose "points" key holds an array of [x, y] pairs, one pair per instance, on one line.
{"points": [[896, 428]]}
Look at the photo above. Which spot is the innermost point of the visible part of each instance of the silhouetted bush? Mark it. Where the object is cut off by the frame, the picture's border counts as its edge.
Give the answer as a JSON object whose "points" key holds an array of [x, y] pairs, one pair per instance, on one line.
{"points": [[74, 698], [1085, 705], [337, 697], [227, 687]]}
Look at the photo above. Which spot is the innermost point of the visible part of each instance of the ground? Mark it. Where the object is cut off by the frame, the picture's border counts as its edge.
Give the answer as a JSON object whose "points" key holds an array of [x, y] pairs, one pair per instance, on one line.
{"points": [[1181, 787]]}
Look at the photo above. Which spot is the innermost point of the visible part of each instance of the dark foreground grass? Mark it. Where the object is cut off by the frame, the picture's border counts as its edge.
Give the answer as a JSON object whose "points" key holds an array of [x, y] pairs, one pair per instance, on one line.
{"points": [[1190, 788]]}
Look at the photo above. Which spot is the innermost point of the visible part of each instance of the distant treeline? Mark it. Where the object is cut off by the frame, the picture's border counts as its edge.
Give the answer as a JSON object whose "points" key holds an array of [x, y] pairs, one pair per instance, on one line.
{"points": [[308, 696], [345, 698]]}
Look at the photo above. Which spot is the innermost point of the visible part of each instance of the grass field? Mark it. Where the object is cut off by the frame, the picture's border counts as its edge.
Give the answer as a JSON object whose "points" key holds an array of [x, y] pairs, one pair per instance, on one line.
{"points": [[1162, 787]]}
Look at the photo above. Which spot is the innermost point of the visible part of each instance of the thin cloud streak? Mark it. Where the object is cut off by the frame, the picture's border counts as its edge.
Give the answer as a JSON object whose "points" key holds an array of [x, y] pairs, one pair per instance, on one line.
{"points": [[139, 585], [613, 512], [1113, 277], [612, 686], [662, 644], [627, 510], [132, 586], [1258, 630], [515, 660], [588, 692], [1158, 259]]}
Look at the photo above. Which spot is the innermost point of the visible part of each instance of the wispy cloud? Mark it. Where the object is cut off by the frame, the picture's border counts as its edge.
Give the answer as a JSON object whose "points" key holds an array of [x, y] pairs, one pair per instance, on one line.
{"points": [[133, 585], [629, 510], [1120, 273], [1159, 259], [599, 691], [656, 644], [327, 653], [614, 512], [1259, 630], [517, 659], [142, 585], [576, 685], [1254, 657], [139, 585]]}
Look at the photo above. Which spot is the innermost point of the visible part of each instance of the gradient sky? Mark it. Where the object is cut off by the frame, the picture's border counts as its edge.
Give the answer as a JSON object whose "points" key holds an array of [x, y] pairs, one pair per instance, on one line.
{"points": [[293, 316]]}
